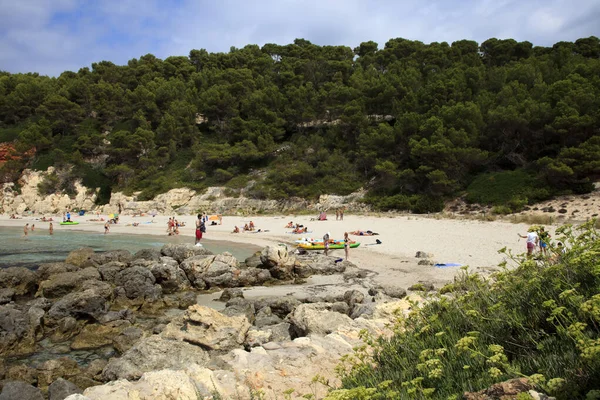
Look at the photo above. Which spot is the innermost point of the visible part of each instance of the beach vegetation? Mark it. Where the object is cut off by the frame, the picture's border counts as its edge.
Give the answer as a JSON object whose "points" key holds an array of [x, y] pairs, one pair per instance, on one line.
{"points": [[412, 124], [539, 320]]}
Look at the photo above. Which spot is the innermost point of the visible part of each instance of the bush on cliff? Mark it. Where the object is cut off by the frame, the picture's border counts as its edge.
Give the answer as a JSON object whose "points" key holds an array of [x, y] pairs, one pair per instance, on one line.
{"points": [[541, 321]]}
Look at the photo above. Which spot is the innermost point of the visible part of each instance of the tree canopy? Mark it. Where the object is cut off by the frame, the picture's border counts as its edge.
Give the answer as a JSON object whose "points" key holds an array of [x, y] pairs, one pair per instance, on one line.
{"points": [[412, 123]]}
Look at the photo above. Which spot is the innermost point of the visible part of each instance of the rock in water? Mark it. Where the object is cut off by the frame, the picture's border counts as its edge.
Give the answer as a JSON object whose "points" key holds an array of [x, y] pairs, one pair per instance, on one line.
{"points": [[17, 390]]}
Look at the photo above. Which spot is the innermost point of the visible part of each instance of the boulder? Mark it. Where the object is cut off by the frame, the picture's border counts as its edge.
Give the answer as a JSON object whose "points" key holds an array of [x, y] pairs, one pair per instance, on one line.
{"points": [[87, 304], [147, 254], [17, 333], [265, 317], [362, 310], [103, 289], [138, 283], [230, 293], [127, 338], [156, 385], [208, 328], [94, 336], [278, 261], [51, 370], [422, 286], [170, 276], [23, 373], [6, 295], [60, 284], [17, 390], [253, 277], [391, 291], [194, 268], [317, 319], [352, 297], [45, 270], [21, 280], [253, 261], [62, 388], [181, 252], [243, 308], [280, 306], [153, 353], [80, 257], [319, 264], [123, 256], [109, 271]]}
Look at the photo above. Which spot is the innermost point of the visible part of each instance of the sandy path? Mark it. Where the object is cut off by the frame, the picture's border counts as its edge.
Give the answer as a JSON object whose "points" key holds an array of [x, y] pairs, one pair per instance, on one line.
{"points": [[468, 242]]}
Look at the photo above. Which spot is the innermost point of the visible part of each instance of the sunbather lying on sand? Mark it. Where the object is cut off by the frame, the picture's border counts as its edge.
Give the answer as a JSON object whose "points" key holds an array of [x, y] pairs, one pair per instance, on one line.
{"points": [[364, 233]]}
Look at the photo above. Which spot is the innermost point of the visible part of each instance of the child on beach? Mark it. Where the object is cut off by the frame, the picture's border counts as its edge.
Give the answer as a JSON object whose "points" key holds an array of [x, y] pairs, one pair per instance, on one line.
{"points": [[346, 244], [51, 229], [106, 227], [25, 230]]}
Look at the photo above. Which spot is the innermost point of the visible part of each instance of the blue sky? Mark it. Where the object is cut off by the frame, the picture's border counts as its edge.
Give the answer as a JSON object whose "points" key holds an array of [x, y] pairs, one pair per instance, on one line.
{"points": [[51, 36]]}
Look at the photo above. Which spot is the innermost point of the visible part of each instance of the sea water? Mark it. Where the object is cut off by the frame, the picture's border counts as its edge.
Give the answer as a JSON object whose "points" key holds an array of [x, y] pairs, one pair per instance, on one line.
{"points": [[41, 247]]}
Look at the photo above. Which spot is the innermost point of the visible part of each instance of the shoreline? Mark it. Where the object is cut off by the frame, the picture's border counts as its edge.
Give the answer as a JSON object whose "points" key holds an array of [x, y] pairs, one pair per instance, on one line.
{"points": [[468, 242]]}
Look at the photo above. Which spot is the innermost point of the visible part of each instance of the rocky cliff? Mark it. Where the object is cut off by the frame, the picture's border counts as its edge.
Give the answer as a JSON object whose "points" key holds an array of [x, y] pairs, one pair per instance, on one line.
{"points": [[179, 201]]}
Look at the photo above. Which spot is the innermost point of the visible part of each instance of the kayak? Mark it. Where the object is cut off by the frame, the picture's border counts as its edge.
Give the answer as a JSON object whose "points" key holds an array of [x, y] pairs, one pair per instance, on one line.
{"points": [[70, 223], [320, 246], [319, 241]]}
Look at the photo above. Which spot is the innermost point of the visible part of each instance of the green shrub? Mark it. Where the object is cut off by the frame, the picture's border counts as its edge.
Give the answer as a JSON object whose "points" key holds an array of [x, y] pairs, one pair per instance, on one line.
{"points": [[513, 189], [540, 320]]}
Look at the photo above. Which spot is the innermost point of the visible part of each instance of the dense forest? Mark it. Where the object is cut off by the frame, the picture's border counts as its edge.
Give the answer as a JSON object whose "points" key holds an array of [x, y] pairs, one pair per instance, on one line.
{"points": [[503, 122]]}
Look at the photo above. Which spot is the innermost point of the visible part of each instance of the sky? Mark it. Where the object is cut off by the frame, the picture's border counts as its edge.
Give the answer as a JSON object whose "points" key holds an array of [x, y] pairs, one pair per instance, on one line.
{"points": [[52, 36]]}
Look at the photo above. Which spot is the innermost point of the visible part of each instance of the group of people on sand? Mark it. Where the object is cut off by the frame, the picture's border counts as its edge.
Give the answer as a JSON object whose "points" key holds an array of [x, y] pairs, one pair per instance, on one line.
{"points": [[248, 227], [360, 232], [339, 214], [539, 238], [173, 226]]}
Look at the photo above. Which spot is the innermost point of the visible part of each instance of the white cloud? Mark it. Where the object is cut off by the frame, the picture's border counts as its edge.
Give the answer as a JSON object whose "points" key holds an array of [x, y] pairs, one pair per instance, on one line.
{"points": [[52, 36]]}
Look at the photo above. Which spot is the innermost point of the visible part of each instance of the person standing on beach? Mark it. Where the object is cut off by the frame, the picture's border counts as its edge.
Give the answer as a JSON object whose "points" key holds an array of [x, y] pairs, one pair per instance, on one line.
{"points": [[51, 229], [544, 240], [32, 227], [25, 230], [199, 224], [326, 242], [106, 227], [342, 214], [346, 244], [532, 240]]}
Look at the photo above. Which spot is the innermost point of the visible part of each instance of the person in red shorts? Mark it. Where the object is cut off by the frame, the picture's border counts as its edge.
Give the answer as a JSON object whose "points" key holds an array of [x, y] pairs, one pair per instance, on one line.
{"points": [[199, 224]]}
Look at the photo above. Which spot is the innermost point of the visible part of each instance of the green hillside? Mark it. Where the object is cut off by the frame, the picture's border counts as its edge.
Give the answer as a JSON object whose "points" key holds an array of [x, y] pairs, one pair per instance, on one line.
{"points": [[411, 123]]}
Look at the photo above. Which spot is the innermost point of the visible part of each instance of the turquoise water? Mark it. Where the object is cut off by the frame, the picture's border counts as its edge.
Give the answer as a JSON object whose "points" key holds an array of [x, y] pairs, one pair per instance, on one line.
{"points": [[39, 247]]}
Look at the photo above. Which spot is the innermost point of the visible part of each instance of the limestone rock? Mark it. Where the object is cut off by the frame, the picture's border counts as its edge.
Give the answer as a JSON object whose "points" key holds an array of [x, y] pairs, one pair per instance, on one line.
{"points": [[230, 293], [127, 339], [123, 256], [423, 254], [352, 297], [317, 318], [170, 276], [153, 353], [51, 370], [80, 257], [22, 373], [21, 280], [265, 317], [17, 390], [110, 270], [87, 304], [6, 295], [280, 306], [60, 284], [155, 385], [147, 254], [194, 268], [17, 333], [138, 283], [45, 270], [181, 252], [278, 261], [61, 388], [208, 328], [94, 336]]}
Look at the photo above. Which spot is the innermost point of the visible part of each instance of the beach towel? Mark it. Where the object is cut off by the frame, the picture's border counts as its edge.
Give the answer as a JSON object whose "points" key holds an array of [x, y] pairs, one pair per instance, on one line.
{"points": [[446, 265]]}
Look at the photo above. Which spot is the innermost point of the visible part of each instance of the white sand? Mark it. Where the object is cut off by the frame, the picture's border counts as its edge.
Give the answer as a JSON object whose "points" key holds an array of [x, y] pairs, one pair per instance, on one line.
{"points": [[467, 242]]}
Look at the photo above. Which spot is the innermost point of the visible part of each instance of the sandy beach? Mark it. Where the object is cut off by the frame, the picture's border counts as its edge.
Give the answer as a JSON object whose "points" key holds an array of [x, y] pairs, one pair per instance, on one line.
{"points": [[467, 242]]}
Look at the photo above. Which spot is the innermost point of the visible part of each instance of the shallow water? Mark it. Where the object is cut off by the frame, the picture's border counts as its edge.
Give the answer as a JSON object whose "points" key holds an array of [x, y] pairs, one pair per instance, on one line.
{"points": [[40, 247]]}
